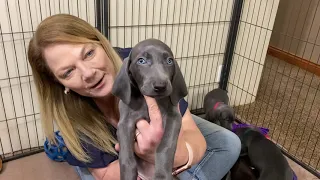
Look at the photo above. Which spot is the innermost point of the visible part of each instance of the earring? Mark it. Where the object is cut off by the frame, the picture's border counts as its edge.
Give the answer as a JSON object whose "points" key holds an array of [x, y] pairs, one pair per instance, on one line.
{"points": [[66, 91]]}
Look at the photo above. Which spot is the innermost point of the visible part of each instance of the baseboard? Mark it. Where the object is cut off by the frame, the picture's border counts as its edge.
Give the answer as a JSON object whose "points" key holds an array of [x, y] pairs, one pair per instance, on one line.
{"points": [[295, 60]]}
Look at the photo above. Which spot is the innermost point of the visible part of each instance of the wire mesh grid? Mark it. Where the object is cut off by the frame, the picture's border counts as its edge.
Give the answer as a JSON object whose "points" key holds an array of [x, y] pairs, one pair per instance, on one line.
{"points": [[206, 37], [285, 96], [197, 38], [196, 31]]}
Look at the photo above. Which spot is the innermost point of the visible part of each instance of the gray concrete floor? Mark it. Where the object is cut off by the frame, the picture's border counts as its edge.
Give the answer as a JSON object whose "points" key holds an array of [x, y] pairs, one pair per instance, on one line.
{"points": [[37, 167]]}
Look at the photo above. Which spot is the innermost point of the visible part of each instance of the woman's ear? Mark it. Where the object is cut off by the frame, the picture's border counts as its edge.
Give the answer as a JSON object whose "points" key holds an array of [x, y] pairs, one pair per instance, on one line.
{"points": [[66, 91]]}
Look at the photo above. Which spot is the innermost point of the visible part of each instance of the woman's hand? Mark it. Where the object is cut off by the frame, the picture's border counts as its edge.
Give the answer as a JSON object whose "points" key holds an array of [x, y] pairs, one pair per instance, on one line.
{"points": [[148, 135]]}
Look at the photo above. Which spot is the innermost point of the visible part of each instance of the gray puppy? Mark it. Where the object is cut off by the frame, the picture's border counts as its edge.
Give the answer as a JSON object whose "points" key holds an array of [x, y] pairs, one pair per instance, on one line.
{"points": [[151, 70], [217, 109]]}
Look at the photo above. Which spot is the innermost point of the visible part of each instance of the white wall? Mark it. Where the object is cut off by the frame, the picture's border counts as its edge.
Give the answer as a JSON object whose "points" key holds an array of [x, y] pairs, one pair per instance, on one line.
{"points": [[256, 26], [296, 29]]}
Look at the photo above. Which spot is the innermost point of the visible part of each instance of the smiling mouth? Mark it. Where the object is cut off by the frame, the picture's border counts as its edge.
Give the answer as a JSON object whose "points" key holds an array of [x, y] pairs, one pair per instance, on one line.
{"points": [[97, 83]]}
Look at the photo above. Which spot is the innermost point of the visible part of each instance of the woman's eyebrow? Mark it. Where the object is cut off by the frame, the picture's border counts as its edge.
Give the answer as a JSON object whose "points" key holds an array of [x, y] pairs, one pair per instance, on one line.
{"points": [[82, 51], [86, 46], [81, 54]]}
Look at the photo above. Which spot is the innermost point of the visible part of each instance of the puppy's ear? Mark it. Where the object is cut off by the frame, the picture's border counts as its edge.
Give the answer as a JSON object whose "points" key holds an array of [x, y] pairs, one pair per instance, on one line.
{"points": [[122, 84], [179, 87]]}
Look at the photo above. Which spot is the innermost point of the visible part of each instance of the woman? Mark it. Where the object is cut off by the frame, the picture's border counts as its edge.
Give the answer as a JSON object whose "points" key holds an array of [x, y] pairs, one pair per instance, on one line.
{"points": [[73, 68]]}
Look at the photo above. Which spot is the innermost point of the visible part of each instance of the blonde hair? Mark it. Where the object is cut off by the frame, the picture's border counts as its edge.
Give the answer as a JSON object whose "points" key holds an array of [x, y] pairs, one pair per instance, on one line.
{"points": [[77, 117]]}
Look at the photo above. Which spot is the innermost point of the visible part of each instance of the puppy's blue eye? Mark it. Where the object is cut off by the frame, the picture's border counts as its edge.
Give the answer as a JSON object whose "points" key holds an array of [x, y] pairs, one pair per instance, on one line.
{"points": [[169, 61], [141, 61]]}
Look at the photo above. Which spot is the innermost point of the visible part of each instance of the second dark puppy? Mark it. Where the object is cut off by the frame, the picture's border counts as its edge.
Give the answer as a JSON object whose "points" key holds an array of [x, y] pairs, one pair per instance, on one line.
{"points": [[217, 109], [264, 155]]}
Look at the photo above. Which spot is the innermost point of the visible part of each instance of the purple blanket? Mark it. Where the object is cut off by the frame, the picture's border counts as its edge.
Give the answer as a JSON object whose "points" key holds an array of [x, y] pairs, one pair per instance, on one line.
{"points": [[263, 130]]}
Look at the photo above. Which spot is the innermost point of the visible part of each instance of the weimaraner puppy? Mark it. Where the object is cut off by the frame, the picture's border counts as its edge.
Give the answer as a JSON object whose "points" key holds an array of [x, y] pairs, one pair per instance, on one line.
{"points": [[151, 70], [217, 109]]}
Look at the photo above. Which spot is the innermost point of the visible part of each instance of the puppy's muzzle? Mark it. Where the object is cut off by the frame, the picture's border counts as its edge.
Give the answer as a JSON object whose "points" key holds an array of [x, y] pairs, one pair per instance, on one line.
{"points": [[159, 87]]}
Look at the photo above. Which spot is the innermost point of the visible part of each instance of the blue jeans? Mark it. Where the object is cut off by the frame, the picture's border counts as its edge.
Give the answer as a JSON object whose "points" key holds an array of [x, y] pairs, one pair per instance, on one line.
{"points": [[223, 149]]}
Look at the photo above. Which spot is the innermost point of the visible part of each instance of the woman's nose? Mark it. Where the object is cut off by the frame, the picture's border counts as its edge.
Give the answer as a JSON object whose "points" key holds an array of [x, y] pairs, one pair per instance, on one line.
{"points": [[87, 72]]}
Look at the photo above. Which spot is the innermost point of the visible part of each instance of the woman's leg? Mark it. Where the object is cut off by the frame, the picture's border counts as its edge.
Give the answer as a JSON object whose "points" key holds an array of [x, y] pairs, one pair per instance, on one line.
{"points": [[223, 149], [83, 173]]}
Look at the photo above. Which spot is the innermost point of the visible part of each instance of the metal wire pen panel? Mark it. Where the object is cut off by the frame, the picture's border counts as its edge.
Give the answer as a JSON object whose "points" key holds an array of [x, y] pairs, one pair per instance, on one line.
{"points": [[197, 32], [20, 126], [264, 53], [282, 92]]}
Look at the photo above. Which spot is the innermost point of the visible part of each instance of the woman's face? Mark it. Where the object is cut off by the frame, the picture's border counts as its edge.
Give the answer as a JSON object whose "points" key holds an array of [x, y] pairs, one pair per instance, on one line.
{"points": [[83, 68]]}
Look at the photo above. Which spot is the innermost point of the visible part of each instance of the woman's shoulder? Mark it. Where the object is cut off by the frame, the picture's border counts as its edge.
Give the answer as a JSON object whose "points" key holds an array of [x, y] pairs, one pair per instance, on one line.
{"points": [[183, 105], [99, 158]]}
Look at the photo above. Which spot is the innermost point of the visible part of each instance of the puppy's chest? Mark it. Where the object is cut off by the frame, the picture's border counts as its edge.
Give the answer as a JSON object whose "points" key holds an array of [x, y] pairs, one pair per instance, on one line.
{"points": [[142, 111]]}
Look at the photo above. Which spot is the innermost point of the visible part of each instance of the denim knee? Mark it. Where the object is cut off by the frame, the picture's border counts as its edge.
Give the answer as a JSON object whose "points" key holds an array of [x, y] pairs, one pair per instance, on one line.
{"points": [[219, 139], [223, 150], [228, 142], [232, 144]]}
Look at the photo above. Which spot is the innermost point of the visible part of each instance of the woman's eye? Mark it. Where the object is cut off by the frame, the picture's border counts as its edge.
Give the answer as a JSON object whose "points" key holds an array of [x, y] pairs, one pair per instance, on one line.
{"points": [[89, 53], [141, 61], [169, 61], [66, 74]]}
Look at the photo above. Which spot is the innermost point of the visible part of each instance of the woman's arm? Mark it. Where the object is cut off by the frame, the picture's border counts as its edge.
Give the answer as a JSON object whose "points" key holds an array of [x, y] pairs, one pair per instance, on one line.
{"points": [[111, 172], [191, 134]]}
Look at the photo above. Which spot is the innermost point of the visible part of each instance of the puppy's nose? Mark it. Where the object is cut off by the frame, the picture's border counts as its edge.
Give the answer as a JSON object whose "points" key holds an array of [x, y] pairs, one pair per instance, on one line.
{"points": [[160, 86]]}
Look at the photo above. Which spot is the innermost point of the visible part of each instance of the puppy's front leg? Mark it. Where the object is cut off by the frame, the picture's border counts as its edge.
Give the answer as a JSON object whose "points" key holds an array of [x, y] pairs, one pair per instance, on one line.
{"points": [[126, 134], [167, 148]]}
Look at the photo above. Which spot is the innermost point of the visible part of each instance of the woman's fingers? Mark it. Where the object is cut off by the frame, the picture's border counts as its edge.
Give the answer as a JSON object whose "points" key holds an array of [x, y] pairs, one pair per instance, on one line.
{"points": [[143, 153], [154, 112], [146, 139], [139, 137], [143, 127], [155, 116], [137, 149], [149, 135], [117, 147]]}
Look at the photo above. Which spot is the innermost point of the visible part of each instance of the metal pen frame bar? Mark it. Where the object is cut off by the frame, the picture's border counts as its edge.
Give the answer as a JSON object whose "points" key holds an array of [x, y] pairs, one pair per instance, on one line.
{"points": [[103, 17], [230, 46]]}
